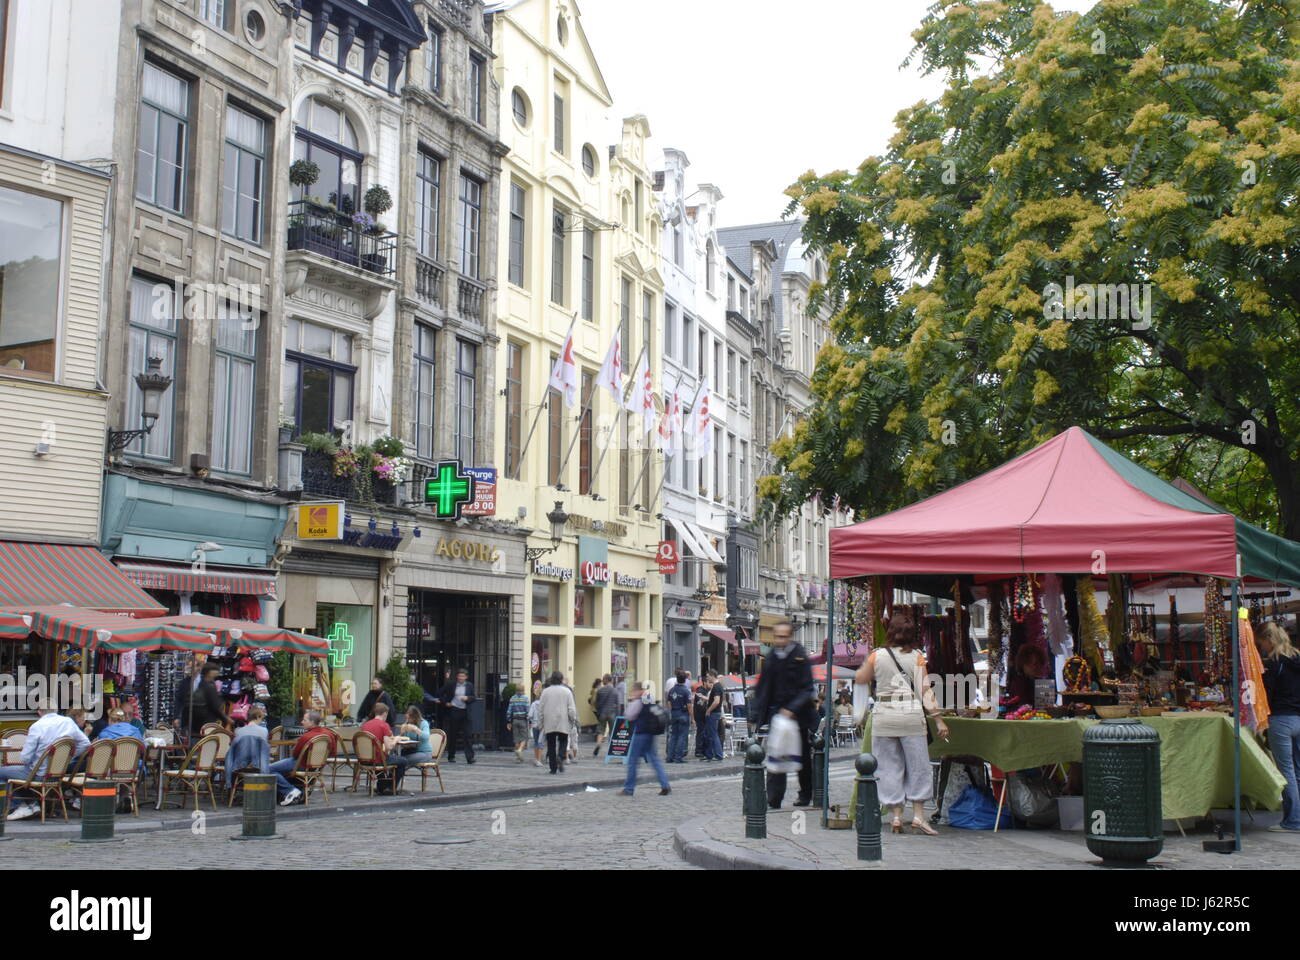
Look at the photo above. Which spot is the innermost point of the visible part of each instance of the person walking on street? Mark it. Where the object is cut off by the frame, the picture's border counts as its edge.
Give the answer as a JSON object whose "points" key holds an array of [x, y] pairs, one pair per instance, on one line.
{"points": [[1282, 683], [648, 721], [455, 699], [678, 698], [898, 723], [712, 719], [607, 705], [558, 715], [517, 720], [786, 687], [535, 727], [700, 704], [206, 703]]}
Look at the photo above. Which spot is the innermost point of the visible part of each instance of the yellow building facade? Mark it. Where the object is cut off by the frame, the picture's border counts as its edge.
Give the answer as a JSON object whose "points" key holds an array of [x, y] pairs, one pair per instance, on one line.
{"points": [[578, 252]]}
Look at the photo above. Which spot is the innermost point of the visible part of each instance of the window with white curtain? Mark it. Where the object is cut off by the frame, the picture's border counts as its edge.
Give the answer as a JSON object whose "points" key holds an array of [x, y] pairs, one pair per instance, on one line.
{"points": [[153, 333], [241, 185], [163, 142], [466, 367], [426, 366], [428, 203], [471, 212], [233, 397]]}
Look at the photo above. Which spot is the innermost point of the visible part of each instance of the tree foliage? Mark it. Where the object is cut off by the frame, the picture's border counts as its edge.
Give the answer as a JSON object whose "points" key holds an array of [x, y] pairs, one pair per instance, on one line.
{"points": [[1152, 144]]}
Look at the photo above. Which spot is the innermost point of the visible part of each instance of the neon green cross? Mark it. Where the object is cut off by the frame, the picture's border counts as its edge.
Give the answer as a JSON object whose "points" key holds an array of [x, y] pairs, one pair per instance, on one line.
{"points": [[449, 490], [340, 641]]}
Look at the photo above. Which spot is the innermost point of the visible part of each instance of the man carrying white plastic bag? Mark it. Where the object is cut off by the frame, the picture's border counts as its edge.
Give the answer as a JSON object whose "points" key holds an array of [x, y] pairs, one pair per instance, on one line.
{"points": [[784, 699]]}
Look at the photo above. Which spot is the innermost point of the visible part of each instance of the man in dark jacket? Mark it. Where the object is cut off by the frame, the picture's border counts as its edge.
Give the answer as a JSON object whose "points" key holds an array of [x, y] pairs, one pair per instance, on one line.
{"points": [[607, 710], [455, 698], [208, 707], [786, 687]]}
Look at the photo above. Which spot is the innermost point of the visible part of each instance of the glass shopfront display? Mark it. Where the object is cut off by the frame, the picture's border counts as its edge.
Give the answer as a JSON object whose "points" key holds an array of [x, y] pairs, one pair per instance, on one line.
{"points": [[585, 607], [546, 602], [622, 660], [336, 684], [626, 613], [541, 662]]}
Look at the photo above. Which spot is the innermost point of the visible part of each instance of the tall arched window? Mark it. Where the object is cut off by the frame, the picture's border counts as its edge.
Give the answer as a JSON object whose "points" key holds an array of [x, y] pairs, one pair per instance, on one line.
{"points": [[326, 137]]}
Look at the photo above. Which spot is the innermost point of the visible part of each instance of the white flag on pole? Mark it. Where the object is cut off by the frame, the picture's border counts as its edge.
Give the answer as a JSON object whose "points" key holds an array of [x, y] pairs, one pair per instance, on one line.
{"points": [[702, 427], [670, 422], [564, 377], [643, 396], [611, 371]]}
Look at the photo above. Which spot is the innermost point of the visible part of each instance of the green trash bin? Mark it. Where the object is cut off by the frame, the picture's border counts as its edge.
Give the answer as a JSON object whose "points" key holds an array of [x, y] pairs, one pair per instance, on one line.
{"points": [[1121, 791]]}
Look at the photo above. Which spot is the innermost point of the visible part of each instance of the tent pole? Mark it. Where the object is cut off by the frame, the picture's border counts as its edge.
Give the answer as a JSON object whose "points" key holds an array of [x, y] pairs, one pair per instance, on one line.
{"points": [[826, 735], [1236, 724]]}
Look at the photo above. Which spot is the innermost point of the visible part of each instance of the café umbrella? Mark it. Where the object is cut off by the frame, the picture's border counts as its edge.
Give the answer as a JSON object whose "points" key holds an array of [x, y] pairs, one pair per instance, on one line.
{"points": [[112, 633], [15, 626], [246, 633]]}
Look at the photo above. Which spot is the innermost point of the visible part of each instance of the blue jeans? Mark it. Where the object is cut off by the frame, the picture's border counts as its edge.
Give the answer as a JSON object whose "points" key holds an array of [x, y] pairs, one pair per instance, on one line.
{"points": [[643, 744], [712, 743], [280, 768], [678, 729], [15, 772], [1284, 742]]}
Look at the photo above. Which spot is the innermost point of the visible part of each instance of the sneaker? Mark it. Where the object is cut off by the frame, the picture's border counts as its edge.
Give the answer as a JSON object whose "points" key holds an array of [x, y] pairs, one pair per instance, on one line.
{"points": [[290, 797], [665, 791], [75, 803], [23, 812], [1275, 828], [626, 793], [537, 763]]}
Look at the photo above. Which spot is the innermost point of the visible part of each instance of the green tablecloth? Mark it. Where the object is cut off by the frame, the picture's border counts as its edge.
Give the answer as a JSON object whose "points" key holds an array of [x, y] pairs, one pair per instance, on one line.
{"points": [[1195, 756]]}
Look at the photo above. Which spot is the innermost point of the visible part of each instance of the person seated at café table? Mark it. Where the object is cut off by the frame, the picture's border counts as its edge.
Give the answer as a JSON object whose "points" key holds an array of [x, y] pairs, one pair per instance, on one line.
{"points": [[251, 747], [118, 726], [409, 755], [50, 725], [378, 727], [311, 722]]}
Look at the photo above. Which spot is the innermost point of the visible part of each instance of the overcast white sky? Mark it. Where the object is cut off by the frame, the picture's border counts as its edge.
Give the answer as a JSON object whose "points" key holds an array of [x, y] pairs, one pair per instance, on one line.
{"points": [[758, 91]]}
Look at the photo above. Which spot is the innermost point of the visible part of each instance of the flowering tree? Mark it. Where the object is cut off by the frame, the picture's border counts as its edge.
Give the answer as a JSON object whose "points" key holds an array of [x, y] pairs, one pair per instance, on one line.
{"points": [[1097, 223]]}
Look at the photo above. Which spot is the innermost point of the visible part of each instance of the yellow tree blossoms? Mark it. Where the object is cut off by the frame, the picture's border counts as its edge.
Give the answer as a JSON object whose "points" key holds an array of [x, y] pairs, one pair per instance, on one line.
{"points": [[1097, 223]]}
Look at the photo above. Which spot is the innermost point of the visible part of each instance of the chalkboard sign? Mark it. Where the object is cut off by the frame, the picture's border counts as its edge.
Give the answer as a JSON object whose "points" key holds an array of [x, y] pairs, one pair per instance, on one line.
{"points": [[620, 740]]}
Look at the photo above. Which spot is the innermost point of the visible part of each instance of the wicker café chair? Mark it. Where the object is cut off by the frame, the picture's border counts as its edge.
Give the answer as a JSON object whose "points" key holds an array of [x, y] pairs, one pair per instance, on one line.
{"points": [[370, 760], [54, 764], [98, 766], [125, 771], [309, 769], [210, 727], [343, 757], [196, 771], [437, 746]]}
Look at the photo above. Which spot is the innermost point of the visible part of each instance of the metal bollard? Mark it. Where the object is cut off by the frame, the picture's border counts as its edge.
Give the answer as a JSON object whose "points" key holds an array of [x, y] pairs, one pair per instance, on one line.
{"points": [[755, 791], [867, 822], [819, 770], [4, 808], [259, 807], [98, 807]]}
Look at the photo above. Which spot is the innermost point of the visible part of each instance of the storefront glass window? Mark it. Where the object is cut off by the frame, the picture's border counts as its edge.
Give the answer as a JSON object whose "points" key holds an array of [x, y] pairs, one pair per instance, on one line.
{"points": [[541, 663], [585, 609], [626, 614], [622, 661], [546, 603], [336, 684]]}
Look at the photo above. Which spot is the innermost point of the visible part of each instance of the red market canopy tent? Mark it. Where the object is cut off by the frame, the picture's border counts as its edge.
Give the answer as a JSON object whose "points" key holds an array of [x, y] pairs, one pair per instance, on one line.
{"points": [[248, 634], [49, 574], [1063, 507], [15, 626], [112, 633]]}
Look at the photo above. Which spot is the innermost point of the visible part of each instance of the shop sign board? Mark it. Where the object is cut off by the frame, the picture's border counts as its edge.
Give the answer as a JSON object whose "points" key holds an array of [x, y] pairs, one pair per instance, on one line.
{"points": [[636, 583], [320, 521], [563, 574], [620, 740], [668, 557], [484, 503], [593, 562]]}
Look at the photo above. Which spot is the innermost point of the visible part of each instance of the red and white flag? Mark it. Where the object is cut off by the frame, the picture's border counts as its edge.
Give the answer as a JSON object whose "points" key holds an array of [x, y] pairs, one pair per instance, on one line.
{"points": [[670, 423], [643, 396], [564, 377], [611, 371], [701, 430]]}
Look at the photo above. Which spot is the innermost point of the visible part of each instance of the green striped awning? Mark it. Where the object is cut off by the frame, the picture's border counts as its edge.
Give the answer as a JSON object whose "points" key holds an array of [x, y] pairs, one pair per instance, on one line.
{"points": [[114, 633], [245, 633], [15, 626], [49, 574]]}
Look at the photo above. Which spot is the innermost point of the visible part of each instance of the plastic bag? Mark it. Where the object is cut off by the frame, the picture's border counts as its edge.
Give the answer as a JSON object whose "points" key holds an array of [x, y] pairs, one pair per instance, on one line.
{"points": [[1033, 800], [783, 752], [976, 809]]}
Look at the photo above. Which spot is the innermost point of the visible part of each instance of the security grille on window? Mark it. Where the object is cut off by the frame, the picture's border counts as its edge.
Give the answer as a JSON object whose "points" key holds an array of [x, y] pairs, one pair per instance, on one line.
{"points": [[241, 187], [161, 152]]}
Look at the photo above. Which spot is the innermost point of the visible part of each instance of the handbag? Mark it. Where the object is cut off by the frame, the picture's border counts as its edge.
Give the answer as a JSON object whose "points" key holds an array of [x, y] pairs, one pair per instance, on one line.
{"points": [[261, 674], [240, 710], [929, 735]]}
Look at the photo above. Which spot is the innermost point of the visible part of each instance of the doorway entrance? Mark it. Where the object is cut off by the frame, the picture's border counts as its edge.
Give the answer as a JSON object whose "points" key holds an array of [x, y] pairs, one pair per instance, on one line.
{"points": [[446, 632]]}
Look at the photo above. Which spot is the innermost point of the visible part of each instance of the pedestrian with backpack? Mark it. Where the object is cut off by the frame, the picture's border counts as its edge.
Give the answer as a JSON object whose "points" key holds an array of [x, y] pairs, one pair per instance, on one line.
{"points": [[649, 720], [605, 706], [679, 700]]}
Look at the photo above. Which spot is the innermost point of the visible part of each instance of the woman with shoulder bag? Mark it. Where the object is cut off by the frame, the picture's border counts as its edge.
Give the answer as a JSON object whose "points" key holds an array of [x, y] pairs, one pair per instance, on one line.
{"points": [[899, 733]]}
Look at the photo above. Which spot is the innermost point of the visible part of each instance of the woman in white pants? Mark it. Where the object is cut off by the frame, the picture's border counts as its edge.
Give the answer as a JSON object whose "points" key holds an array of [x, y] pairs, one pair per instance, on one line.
{"points": [[898, 724]]}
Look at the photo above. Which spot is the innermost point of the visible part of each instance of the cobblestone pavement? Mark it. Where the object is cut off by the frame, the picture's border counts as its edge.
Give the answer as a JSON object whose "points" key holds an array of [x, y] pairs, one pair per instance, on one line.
{"points": [[805, 841], [602, 829]]}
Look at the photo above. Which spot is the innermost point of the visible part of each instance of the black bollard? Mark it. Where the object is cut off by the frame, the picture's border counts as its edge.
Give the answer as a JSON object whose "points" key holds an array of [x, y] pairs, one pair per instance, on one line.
{"points": [[819, 771], [4, 808], [755, 791], [259, 807], [98, 807], [868, 812]]}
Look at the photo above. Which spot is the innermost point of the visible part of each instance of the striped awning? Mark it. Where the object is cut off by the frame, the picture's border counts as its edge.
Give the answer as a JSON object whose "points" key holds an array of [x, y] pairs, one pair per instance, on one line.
{"points": [[113, 633], [49, 574], [184, 579], [245, 633], [15, 626]]}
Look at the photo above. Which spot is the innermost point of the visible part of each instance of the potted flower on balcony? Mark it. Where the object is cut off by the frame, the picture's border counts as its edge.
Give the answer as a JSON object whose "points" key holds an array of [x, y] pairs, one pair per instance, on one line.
{"points": [[377, 202], [287, 426], [302, 174]]}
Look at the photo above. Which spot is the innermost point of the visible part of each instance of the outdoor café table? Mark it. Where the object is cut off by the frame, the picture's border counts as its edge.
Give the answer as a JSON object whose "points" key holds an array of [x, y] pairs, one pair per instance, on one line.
{"points": [[280, 745], [1195, 756], [159, 756]]}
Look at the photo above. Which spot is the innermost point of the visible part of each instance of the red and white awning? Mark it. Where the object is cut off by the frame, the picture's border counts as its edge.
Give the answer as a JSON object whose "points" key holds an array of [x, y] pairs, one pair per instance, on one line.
{"points": [[181, 579]]}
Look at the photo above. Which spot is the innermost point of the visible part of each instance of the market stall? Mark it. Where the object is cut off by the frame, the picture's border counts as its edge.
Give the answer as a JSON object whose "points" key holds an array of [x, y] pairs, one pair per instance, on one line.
{"points": [[1038, 538]]}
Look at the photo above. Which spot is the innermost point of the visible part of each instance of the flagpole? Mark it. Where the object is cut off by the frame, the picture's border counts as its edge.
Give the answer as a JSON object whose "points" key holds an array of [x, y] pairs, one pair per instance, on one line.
{"points": [[624, 411], [586, 407], [544, 405], [664, 476]]}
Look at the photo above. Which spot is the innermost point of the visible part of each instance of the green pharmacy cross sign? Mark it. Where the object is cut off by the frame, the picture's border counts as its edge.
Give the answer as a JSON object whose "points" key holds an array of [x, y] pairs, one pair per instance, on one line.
{"points": [[449, 490], [340, 640]]}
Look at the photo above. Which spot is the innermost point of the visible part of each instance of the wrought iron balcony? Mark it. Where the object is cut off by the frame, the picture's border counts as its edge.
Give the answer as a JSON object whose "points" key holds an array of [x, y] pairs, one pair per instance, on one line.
{"points": [[321, 229], [429, 281], [469, 300]]}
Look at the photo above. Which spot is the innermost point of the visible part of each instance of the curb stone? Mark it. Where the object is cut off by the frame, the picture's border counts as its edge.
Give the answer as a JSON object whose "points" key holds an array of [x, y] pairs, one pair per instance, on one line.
{"points": [[694, 845]]}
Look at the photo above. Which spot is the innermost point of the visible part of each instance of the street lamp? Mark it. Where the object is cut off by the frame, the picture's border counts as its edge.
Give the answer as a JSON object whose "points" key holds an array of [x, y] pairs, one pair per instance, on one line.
{"points": [[558, 519], [153, 383]]}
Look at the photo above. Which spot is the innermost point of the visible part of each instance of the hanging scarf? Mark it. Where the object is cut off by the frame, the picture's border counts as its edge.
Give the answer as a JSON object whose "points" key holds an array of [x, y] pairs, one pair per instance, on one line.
{"points": [[1092, 626], [1254, 699]]}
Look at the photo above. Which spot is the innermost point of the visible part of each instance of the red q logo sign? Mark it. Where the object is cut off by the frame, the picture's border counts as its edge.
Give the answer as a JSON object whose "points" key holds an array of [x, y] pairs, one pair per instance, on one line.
{"points": [[594, 572], [668, 557]]}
